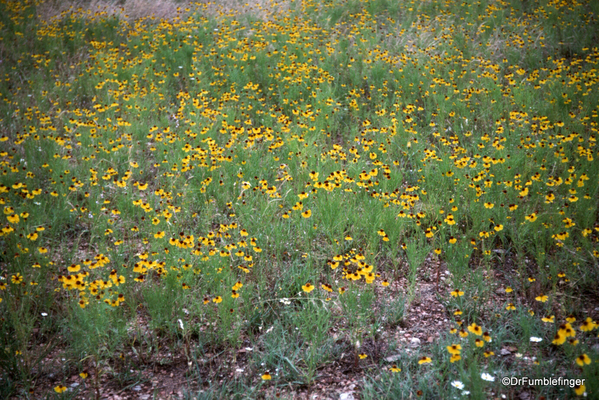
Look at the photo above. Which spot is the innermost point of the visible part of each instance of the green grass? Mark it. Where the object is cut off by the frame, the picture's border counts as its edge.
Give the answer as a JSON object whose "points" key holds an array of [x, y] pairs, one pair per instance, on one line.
{"points": [[281, 189]]}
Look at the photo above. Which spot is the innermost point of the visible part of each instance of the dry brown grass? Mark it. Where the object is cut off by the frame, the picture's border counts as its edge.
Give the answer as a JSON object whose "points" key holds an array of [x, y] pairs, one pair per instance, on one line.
{"points": [[170, 10], [129, 10]]}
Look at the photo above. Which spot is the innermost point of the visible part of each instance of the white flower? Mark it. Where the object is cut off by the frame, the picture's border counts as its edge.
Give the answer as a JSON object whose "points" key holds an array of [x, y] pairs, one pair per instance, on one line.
{"points": [[535, 339], [181, 324], [457, 385], [465, 393], [487, 377], [44, 314], [285, 301]]}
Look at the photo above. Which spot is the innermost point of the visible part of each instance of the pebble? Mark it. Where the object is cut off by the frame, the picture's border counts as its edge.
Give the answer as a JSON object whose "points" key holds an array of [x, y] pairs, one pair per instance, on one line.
{"points": [[393, 358], [505, 352]]}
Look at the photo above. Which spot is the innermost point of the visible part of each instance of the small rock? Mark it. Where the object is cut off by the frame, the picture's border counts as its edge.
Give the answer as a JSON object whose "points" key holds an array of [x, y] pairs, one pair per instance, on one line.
{"points": [[505, 352], [524, 396], [430, 339], [137, 388], [347, 396], [393, 358], [415, 342]]}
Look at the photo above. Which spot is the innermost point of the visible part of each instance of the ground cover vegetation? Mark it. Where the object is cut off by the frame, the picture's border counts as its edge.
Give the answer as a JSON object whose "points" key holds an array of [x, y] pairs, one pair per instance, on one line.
{"points": [[264, 200]]}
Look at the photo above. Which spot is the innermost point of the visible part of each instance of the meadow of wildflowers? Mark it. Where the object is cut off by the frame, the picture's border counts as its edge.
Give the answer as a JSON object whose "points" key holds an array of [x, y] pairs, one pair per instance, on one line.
{"points": [[252, 199]]}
